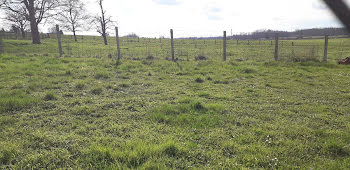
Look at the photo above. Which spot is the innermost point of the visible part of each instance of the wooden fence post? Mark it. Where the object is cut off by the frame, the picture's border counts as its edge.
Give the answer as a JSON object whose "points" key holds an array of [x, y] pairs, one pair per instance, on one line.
{"points": [[58, 32], [276, 47], [293, 54], [172, 45], [1, 44], [237, 42], [325, 49], [224, 47], [118, 43]]}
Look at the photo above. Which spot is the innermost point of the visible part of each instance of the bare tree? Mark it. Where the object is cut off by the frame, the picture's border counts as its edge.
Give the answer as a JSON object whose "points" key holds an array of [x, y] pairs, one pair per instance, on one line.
{"points": [[2, 3], [72, 15], [36, 12], [103, 22], [18, 20]]}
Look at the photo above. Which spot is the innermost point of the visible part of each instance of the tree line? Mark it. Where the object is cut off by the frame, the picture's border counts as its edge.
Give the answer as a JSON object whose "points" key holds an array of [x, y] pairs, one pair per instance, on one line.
{"points": [[297, 34], [71, 15]]}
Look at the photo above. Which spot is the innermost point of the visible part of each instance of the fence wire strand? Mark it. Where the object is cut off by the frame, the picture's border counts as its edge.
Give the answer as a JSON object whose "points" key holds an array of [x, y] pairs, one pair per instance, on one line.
{"points": [[135, 48]]}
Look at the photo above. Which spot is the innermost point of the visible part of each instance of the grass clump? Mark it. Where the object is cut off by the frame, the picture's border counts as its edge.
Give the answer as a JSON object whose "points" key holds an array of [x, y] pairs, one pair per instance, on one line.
{"points": [[8, 153], [133, 155], [83, 111], [98, 157], [335, 149], [97, 91], [50, 96], [102, 75], [124, 85], [249, 70], [199, 80], [16, 100], [188, 112], [80, 85]]}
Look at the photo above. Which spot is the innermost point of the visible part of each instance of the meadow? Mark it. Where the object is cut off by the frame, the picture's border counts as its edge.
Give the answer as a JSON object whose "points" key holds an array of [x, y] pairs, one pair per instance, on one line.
{"points": [[88, 111]]}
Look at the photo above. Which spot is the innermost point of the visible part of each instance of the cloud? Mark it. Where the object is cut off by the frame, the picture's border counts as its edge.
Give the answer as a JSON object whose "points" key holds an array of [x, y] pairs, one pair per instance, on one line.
{"points": [[319, 6], [213, 13], [167, 2]]}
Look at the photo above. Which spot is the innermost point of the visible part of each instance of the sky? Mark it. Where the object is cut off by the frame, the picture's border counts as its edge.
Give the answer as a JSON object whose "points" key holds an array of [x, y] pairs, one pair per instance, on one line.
{"points": [[203, 18]]}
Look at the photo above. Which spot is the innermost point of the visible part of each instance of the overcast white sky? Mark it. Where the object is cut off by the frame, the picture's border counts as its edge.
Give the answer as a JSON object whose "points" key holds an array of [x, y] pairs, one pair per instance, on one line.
{"points": [[154, 18]]}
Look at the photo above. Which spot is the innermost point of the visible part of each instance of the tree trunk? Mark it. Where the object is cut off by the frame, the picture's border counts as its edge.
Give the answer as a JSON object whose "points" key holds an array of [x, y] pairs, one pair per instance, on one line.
{"points": [[33, 24], [105, 38], [75, 36], [35, 33], [23, 33]]}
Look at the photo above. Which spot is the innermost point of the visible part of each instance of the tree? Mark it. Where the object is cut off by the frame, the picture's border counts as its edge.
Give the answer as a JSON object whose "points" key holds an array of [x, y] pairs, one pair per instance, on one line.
{"points": [[2, 3], [18, 20], [103, 22], [72, 15], [35, 12]]}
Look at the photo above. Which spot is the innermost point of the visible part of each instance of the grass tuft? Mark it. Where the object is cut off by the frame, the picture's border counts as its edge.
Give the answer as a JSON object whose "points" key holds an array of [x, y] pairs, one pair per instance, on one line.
{"points": [[50, 96]]}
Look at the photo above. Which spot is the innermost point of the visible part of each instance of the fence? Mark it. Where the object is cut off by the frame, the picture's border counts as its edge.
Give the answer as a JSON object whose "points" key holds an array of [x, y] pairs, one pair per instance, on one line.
{"points": [[224, 48]]}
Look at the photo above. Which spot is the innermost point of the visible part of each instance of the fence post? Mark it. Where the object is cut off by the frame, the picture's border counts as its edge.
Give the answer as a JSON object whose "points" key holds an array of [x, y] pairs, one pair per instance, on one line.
{"points": [[172, 45], [293, 54], [237, 42], [325, 49], [276, 47], [118, 43], [58, 32], [224, 48], [1, 43]]}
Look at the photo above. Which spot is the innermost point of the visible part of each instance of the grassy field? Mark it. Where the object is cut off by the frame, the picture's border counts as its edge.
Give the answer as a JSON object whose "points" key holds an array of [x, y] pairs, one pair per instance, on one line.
{"points": [[86, 112]]}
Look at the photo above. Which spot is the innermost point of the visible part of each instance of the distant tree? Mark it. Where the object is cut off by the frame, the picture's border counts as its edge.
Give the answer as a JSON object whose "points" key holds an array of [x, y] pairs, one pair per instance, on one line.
{"points": [[103, 22], [36, 11], [132, 35], [72, 15], [18, 20]]}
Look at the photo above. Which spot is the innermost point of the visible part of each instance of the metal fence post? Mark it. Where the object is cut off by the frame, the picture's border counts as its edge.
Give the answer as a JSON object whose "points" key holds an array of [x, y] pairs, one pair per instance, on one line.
{"points": [[172, 45], [276, 47], [224, 46], [118, 45], [59, 40], [325, 49]]}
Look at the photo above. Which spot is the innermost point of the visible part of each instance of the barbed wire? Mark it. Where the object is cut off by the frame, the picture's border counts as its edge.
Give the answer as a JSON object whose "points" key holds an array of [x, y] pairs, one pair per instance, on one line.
{"points": [[185, 48]]}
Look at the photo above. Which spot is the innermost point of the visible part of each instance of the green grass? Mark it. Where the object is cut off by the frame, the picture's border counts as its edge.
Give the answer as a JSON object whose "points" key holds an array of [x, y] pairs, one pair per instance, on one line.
{"points": [[83, 112]]}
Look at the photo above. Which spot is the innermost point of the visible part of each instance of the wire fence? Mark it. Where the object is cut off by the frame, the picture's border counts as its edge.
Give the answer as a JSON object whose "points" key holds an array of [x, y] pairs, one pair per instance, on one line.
{"points": [[135, 48]]}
